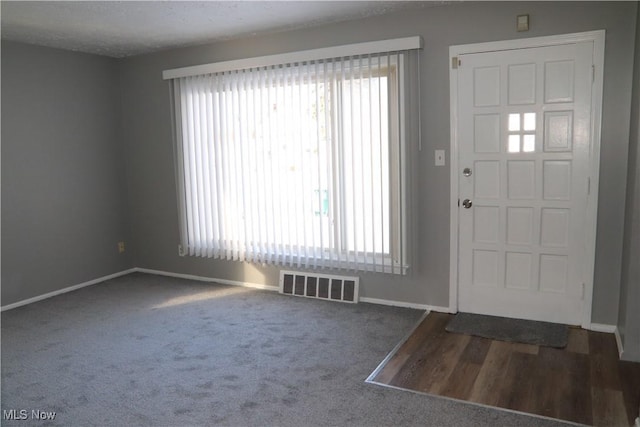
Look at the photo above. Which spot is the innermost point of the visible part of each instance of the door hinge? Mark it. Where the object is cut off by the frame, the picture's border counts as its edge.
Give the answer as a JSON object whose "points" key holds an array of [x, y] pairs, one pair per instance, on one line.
{"points": [[593, 73], [583, 290], [455, 62], [458, 202], [588, 185]]}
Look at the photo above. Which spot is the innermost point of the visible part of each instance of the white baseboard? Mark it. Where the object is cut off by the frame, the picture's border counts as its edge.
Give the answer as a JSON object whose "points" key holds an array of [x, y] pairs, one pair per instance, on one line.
{"points": [[599, 327], [207, 279], [277, 289], [392, 303], [65, 290], [609, 329], [440, 309], [619, 343], [404, 304]]}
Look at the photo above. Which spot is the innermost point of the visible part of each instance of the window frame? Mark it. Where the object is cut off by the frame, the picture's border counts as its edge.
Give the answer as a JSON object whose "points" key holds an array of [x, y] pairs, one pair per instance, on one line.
{"points": [[391, 257]]}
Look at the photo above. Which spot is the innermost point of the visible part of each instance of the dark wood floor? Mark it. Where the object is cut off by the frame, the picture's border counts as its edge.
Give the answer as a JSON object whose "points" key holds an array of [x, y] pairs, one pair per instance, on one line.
{"points": [[584, 382]]}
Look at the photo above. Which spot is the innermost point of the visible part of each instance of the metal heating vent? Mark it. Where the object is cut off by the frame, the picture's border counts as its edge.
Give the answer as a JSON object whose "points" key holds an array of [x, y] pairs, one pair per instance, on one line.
{"points": [[322, 286]]}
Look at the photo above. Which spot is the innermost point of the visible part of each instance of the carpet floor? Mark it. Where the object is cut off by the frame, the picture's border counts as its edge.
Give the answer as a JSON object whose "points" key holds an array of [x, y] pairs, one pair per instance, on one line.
{"points": [[157, 351]]}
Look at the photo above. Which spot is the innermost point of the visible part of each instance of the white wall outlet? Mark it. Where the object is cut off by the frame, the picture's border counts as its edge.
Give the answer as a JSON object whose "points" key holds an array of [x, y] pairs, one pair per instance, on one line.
{"points": [[120, 247], [440, 158]]}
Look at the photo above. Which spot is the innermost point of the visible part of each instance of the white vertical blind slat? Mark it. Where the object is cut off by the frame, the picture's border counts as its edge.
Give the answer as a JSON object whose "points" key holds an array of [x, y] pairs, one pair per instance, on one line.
{"points": [[298, 138], [400, 136], [318, 251], [207, 160], [284, 130], [244, 169], [218, 237], [364, 150], [352, 184], [389, 215], [373, 147], [230, 214], [256, 82], [381, 137], [192, 203], [271, 162], [174, 94], [196, 160], [235, 194]]}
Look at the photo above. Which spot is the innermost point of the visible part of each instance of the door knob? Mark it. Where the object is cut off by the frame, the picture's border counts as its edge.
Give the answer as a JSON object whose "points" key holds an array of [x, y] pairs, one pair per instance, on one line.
{"points": [[466, 172], [467, 203]]}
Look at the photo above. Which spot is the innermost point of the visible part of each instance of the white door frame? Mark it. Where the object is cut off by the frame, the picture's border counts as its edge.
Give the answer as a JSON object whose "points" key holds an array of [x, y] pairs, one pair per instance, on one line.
{"points": [[458, 52]]}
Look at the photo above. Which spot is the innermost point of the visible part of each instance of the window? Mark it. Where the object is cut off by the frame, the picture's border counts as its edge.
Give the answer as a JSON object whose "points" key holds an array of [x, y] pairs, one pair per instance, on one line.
{"points": [[297, 164], [522, 133]]}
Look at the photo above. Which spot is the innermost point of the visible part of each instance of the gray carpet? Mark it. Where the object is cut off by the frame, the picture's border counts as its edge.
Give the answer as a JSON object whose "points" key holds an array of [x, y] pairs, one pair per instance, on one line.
{"points": [[156, 351], [513, 330]]}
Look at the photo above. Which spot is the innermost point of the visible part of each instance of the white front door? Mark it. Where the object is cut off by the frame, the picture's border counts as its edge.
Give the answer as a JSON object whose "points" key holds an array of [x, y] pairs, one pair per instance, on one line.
{"points": [[524, 140]]}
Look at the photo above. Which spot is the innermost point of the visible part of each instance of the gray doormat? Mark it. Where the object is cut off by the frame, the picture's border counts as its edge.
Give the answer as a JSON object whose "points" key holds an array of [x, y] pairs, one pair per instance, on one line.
{"points": [[514, 330]]}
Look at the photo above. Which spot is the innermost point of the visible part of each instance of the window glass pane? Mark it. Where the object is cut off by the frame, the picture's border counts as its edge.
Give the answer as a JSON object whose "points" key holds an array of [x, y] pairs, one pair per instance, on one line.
{"points": [[514, 143], [365, 178], [529, 121], [529, 144], [514, 122]]}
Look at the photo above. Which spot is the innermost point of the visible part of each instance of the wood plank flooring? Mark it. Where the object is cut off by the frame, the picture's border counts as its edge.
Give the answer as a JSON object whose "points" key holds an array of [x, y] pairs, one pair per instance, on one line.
{"points": [[584, 382]]}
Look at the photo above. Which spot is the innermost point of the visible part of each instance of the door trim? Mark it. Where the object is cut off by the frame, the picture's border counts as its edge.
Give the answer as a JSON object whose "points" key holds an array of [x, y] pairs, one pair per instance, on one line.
{"points": [[598, 39]]}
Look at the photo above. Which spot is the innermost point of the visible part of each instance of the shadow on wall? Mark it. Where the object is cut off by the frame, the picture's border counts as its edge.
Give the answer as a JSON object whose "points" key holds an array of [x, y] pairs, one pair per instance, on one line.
{"points": [[251, 274]]}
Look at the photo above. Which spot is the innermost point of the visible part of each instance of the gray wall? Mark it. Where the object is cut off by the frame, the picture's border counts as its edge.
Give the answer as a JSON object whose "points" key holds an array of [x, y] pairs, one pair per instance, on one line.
{"points": [[147, 133], [629, 314], [63, 192]]}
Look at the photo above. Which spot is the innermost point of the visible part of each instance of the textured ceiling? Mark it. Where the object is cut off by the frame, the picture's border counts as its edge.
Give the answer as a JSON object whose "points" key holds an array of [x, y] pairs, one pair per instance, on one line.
{"points": [[125, 28]]}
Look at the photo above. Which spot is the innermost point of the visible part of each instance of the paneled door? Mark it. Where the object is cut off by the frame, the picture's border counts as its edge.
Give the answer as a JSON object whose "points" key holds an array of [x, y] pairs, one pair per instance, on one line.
{"points": [[524, 132]]}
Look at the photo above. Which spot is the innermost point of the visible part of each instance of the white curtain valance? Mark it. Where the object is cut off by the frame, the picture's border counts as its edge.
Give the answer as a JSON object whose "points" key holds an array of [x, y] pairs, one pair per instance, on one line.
{"points": [[406, 43], [298, 163]]}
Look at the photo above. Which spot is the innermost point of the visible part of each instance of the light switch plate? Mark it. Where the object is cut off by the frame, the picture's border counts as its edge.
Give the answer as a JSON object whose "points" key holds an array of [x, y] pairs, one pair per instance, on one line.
{"points": [[440, 158], [523, 22]]}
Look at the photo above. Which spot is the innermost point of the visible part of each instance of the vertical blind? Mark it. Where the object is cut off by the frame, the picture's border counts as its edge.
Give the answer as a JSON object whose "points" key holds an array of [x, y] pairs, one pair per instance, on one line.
{"points": [[298, 164]]}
